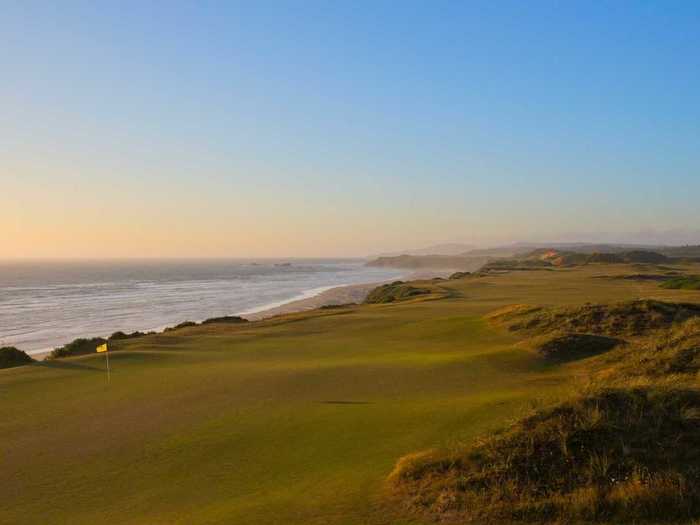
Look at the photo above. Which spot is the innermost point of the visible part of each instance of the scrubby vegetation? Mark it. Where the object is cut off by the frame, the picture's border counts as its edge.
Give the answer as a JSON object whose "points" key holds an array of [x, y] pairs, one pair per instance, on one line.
{"points": [[11, 357], [117, 336], [230, 319], [184, 324], [672, 355], [689, 282], [77, 347], [459, 275], [337, 306], [393, 292], [83, 346], [631, 318], [640, 277], [619, 455]]}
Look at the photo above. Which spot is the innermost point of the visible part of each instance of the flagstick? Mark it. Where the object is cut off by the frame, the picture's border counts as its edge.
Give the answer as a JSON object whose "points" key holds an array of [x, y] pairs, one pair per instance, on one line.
{"points": [[109, 377]]}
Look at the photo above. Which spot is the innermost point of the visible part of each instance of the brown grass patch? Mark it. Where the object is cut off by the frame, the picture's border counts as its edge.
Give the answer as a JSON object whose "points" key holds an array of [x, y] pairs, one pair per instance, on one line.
{"points": [[632, 318], [620, 456]]}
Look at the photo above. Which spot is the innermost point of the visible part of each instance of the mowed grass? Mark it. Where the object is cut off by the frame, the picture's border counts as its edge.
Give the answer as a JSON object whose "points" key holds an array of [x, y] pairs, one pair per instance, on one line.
{"points": [[295, 420]]}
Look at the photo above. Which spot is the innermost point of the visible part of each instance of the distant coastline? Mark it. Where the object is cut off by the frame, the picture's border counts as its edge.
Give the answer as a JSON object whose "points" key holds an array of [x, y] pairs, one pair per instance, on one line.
{"points": [[308, 300], [47, 305]]}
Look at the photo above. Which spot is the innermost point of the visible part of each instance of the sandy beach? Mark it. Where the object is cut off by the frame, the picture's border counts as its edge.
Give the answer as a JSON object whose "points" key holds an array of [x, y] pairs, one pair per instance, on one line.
{"points": [[355, 293]]}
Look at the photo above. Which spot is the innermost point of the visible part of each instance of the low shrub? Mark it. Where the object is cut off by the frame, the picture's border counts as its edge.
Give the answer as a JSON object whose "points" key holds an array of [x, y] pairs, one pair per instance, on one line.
{"points": [[640, 277], [184, 324], [11, 357], [229, 319], [393, 292], [118, 336], [79, 346], [337, 306]]}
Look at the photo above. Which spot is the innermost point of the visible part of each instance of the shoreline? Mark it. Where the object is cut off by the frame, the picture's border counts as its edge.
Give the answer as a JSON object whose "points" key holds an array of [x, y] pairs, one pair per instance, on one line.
{"points": [[305, 301], [331, 295], [334, 295], [302, 302]]}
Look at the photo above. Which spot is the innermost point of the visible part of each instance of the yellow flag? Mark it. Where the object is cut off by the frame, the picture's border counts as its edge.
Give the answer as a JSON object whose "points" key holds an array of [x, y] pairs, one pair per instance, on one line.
{"points": [[101, 348]]}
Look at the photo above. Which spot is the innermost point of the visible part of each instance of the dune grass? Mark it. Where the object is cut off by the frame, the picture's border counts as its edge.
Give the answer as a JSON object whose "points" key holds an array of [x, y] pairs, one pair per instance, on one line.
{"points": [[293, 420], [394, 292], [616, 456]]}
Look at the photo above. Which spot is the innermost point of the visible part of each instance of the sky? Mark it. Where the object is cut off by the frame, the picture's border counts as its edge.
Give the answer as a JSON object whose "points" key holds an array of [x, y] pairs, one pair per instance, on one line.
{"points": [[338, 128]]}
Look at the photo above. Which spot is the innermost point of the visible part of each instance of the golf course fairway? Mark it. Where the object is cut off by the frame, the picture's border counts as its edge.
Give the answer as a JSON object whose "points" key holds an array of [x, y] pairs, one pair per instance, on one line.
{"points": [[297, 419]]}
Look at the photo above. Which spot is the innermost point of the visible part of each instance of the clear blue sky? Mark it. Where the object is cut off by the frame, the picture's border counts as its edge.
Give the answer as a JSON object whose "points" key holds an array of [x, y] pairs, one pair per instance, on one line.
{"points": [[342, 128]]}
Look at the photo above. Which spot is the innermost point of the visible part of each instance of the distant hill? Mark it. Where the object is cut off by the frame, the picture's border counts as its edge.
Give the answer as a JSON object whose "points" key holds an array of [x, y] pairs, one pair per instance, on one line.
{"points": [[498, 251], [519, 249], [433, 262], [535, 254], [435, 249], [549, 257], [600, 247], [681, 251], [634, 256], [522, 248]]}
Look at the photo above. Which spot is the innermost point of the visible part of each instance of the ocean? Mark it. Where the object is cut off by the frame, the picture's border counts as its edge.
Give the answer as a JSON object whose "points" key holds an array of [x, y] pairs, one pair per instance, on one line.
{"points": [[45, 304]]}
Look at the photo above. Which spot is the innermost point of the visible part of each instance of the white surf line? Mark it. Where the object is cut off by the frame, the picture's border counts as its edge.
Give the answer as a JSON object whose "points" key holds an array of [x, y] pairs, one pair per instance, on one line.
{"points": [[308, 294]]}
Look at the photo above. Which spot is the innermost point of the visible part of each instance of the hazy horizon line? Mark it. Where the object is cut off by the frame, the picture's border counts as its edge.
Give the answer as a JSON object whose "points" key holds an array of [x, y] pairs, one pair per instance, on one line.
{"points": [[252, 258]]}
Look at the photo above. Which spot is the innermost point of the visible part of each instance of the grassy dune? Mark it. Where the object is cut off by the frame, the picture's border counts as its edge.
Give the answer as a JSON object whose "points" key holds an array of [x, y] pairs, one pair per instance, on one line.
{"points": [[295, 420]]}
